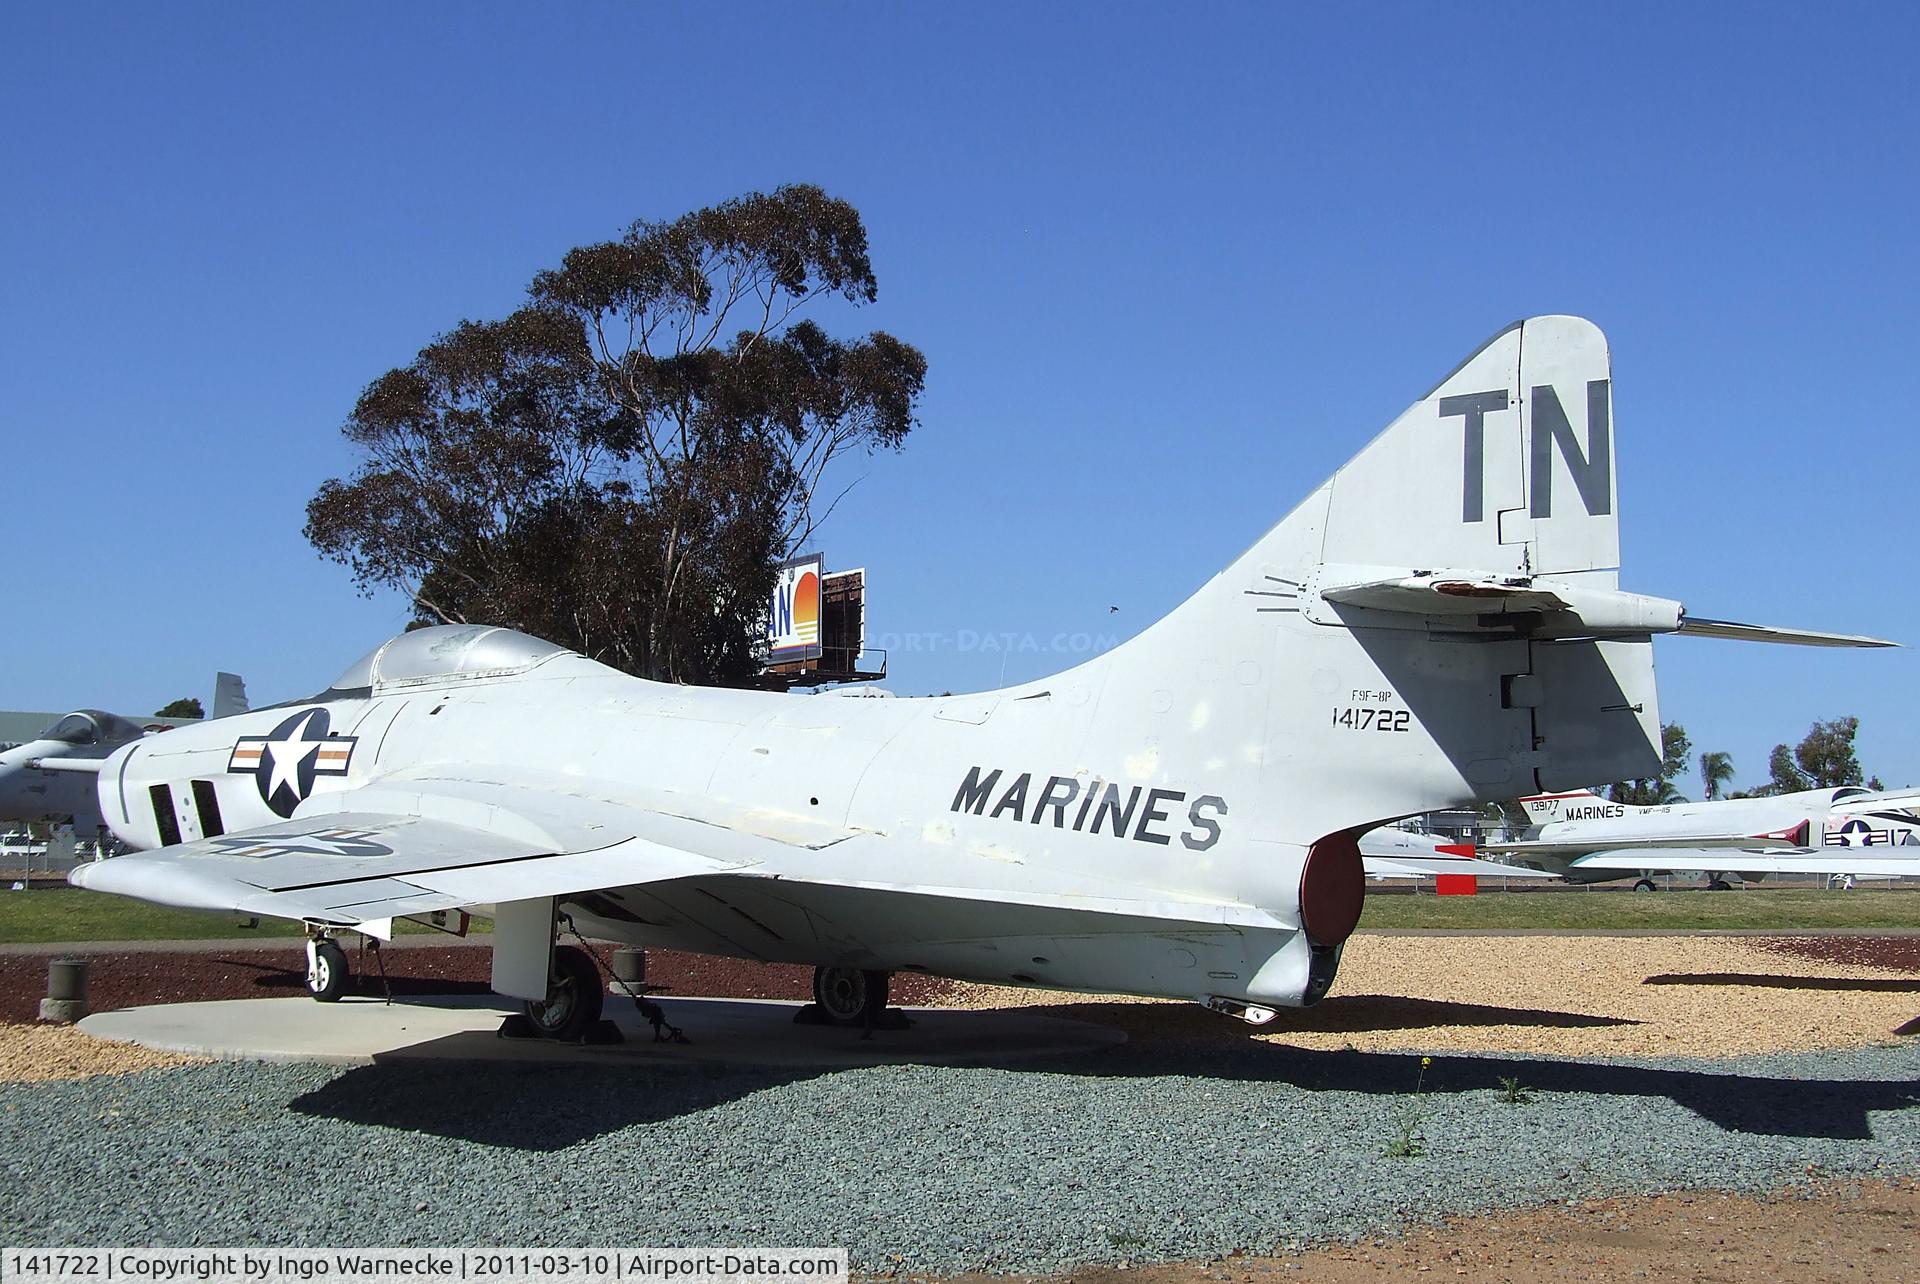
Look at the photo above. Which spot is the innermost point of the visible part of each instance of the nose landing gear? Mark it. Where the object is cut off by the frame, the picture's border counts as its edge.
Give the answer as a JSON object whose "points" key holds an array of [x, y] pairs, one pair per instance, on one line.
{"points": [[327, 969]]}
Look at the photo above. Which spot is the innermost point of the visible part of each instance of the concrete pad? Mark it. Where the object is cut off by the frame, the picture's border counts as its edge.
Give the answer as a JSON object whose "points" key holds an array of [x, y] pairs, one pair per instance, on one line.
{"points": [[743, 1032]]}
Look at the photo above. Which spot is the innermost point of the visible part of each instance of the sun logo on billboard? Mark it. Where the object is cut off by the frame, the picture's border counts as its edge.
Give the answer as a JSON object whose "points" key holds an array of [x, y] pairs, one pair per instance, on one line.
{"points": [[806, 607], [793, 627]]}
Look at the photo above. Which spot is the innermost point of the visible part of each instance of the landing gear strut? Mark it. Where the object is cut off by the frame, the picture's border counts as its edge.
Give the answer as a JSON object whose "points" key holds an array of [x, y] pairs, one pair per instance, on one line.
{"points": [[573, 999], [327, 969]]}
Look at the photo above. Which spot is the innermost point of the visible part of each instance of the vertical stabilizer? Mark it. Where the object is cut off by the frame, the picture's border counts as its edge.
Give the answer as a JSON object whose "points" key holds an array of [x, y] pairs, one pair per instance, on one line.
{"points": [[1406, 638], [229, 695], [1506, 466]]}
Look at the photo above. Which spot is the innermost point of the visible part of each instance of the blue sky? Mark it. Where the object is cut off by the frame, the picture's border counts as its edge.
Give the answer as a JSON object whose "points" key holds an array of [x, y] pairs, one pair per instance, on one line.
{"points": [[1170, 266]]}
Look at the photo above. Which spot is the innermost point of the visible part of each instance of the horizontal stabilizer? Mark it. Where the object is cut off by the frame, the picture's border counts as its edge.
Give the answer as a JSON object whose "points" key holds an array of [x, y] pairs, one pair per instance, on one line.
{"points": [[1483, 599], [1431, 593], [1699, 628]]}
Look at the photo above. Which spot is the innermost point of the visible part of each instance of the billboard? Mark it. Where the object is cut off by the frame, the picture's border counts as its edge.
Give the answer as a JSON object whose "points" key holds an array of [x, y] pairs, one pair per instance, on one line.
{"points": [[793, 626]]}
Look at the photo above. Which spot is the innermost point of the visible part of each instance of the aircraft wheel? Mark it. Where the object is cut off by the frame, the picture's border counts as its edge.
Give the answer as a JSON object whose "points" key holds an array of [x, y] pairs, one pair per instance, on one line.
{"points": [[849, 996], [327, 971], [573, 999], [1646, 885]]}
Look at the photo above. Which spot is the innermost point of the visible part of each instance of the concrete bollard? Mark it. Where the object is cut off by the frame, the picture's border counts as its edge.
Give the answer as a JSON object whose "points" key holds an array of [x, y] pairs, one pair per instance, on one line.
{"points": [[66, 1000], [630, 966]]}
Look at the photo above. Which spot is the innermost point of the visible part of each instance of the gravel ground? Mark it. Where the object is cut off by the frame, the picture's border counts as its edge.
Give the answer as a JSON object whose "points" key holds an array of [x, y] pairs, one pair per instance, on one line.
{"points": [[1140, 1154]]}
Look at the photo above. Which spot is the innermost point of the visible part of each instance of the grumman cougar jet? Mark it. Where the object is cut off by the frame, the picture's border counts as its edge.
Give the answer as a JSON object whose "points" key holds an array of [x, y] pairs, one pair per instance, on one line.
{"points": [[1836, 833], [1437, 625]]}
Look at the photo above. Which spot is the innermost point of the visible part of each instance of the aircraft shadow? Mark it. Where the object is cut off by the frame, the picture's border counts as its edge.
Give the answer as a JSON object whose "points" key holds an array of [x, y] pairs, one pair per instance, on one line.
{"points": [[1859, 984], [549, 1105], [1351, 1013], [1758, 1104], [531, 1105], [274, 976]]}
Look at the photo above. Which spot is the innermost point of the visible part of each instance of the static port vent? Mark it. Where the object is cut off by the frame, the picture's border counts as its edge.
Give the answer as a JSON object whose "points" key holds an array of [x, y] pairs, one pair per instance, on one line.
{"points": [[169, 824], [208, 804]]}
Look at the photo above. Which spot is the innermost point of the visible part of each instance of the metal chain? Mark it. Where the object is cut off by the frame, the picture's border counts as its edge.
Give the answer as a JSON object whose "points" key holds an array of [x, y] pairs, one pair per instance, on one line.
{"points": [[663, 1031]]}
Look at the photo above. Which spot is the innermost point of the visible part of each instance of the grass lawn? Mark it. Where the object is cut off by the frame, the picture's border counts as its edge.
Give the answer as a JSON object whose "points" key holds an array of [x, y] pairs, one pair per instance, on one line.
{"points": [[1864, 908], [69, 914]]}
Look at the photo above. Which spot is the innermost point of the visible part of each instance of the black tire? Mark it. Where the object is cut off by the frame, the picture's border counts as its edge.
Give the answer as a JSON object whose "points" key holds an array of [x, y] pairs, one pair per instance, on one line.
{"points": [[573, 1000], [1719, 885], [1646, 885], [327, 977], [848, 995]]}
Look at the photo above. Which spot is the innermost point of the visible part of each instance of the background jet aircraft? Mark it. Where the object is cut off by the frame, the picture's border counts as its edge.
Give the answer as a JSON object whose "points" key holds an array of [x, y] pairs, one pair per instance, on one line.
{"points": [[1392, 853], [1826, 832], [1174, 817], [50, 779]]}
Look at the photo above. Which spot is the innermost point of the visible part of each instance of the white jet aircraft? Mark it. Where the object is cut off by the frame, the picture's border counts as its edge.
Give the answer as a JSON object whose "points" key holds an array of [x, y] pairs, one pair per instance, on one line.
{"points": [[1827, 832], [1437, 625], [50, 779], [1394, 854]]}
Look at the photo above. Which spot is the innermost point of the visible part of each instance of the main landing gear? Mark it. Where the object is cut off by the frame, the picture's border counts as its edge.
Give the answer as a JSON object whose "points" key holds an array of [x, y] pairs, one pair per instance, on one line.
{"points": [[574, 997], [851, 996]]}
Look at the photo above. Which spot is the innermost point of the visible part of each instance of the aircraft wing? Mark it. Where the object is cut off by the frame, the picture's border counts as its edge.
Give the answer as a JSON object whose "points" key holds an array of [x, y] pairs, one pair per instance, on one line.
{"points": [[1571, 849], [1721, 861], [352, 867], [1882, 800]]}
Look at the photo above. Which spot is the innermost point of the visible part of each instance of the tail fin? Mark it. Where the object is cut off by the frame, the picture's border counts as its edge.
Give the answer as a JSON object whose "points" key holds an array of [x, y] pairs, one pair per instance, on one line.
{"points": [[1437, 624], [1380, 652], [1580, 804], [229, 695], [1505, 467]]}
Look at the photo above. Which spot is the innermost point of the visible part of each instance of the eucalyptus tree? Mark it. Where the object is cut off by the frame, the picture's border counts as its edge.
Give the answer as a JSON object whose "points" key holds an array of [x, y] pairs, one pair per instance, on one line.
{"points": [[620, 463]]}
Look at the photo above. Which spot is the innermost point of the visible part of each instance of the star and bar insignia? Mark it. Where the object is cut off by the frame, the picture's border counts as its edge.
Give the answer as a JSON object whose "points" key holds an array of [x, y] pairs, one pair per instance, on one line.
{"points": [[285, 762], [319, 842]]}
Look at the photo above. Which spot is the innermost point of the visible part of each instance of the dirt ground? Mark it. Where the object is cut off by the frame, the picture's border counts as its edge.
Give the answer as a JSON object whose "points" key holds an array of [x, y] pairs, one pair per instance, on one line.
{"points": [[1702, 996], [39, 1053], [1863, 1234], [1697, 996]]}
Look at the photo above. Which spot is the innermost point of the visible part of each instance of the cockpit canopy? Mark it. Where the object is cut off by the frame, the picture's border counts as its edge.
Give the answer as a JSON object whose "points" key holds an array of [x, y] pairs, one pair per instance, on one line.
{"points": [[445, 653], [92, 727]]}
